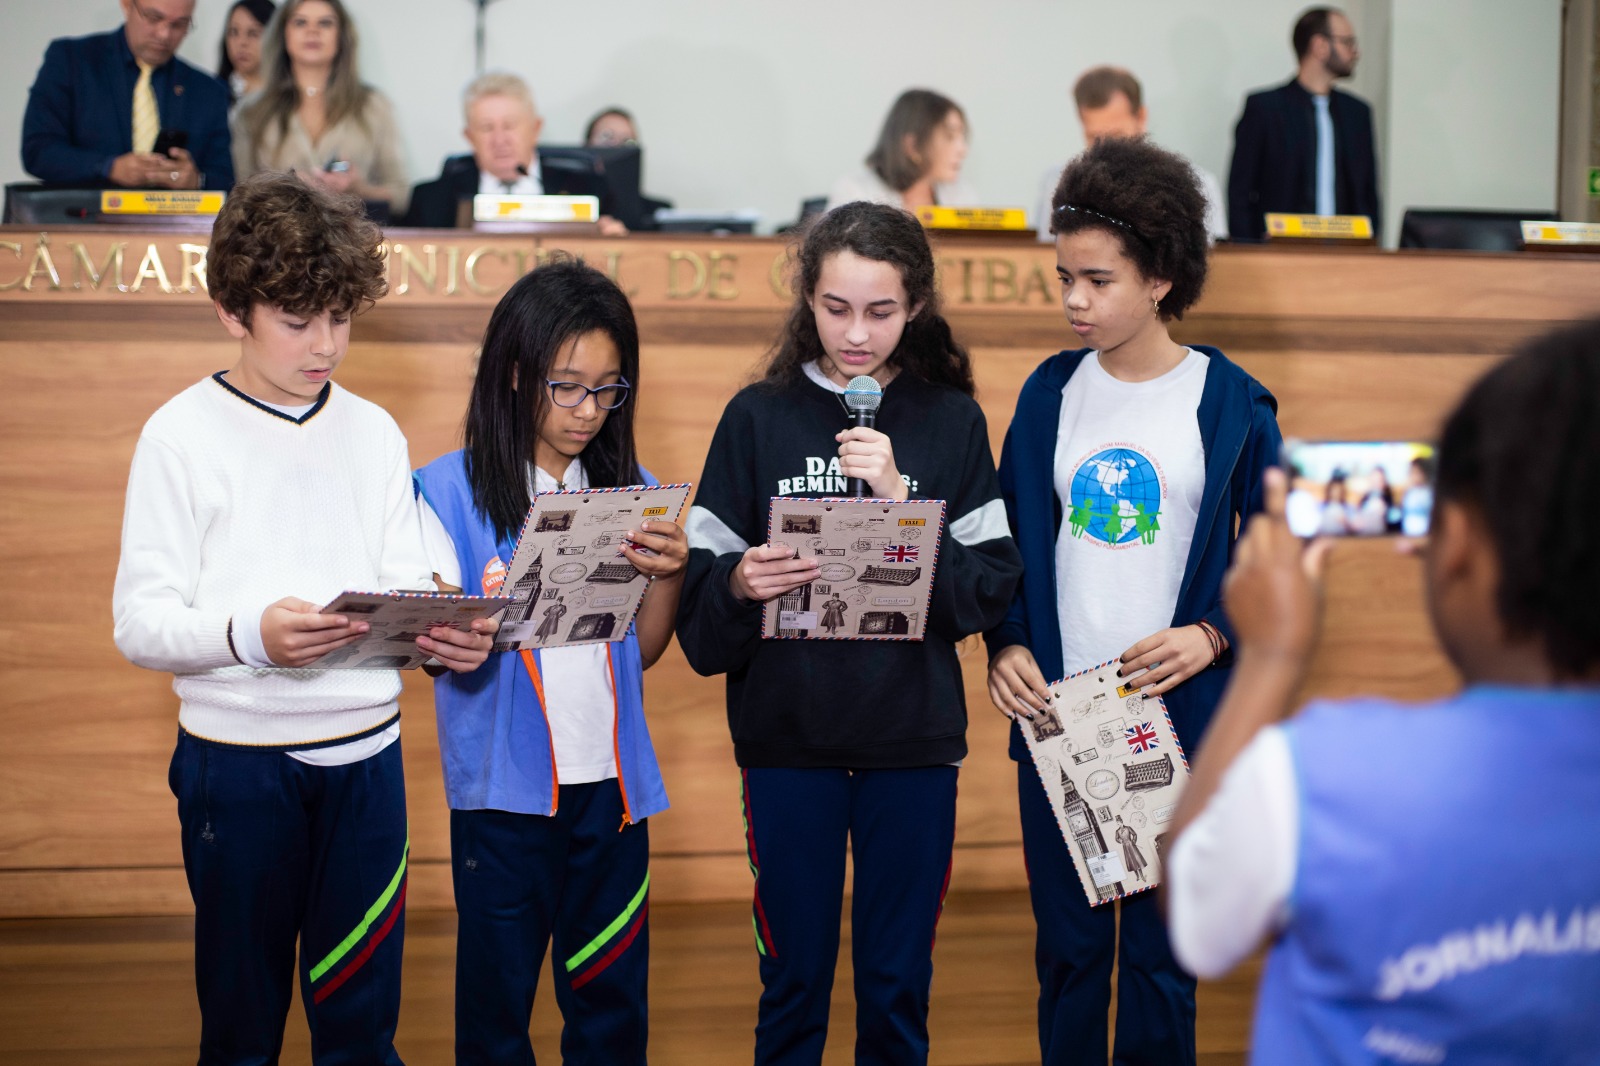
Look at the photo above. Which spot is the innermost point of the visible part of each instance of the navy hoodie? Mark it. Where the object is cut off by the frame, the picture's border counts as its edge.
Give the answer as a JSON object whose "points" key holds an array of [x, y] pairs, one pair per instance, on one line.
{"points": [[1239, 432]]}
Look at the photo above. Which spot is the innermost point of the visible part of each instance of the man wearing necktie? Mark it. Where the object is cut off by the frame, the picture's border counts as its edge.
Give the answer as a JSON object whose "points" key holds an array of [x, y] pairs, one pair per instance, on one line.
{"points": [[100, 103], [1306, 147]]}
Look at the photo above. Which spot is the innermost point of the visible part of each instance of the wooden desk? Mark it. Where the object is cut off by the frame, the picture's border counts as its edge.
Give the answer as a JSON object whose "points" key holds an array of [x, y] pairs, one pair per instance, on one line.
{"points": [[98, 327]]}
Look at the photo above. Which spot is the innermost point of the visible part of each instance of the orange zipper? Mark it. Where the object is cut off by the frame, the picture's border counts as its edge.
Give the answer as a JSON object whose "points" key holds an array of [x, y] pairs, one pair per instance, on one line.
{"points": [[544, 709]]}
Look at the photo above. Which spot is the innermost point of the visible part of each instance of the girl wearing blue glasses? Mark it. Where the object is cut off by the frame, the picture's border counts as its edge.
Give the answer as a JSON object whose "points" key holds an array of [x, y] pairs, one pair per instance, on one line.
{"points": [[546, 753]]}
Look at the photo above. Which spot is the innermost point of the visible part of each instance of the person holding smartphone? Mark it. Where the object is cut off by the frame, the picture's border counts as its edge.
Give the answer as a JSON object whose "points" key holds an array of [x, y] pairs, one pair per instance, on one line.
{"points": [[1422, 872], [100, 105], [314, 115]]}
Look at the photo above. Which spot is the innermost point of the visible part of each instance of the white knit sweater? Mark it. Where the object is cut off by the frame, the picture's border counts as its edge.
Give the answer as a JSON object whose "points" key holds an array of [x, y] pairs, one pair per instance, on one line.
{"points": [[232, 506]]}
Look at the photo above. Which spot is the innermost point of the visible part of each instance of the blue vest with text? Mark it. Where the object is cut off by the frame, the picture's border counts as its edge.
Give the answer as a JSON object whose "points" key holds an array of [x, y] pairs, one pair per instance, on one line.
{"points": [[1446, 901]]}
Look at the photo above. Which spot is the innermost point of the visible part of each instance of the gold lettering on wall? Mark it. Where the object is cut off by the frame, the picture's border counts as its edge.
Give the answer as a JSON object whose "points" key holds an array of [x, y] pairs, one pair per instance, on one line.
{"points": [[1036, 283], [614, 272], [42, 265], [452, 267], [426, 268], [999, 280], [194, 267], [83, 265], [15, 249], [966, 281], [151, 267], [675, 261], [778, 276], [720, 271], [470, 269]]}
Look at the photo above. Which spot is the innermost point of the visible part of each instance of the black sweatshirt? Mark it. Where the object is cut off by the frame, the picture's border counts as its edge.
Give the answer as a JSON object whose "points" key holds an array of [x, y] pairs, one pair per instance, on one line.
{"points": [[856, 704]]}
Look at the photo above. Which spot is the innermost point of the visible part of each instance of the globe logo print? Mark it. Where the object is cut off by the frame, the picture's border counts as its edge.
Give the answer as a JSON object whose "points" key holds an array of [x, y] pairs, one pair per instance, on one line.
{"points": [[1116, 498]]}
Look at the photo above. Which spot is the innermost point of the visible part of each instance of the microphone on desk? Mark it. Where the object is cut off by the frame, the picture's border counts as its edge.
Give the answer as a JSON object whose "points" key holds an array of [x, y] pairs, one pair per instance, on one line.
{"points": [[861, 398], [523, 170]]}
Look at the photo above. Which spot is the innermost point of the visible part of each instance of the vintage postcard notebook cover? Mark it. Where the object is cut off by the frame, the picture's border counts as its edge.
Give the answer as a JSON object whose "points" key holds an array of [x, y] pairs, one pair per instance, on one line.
{"points": [[397, 619], [1114, 770], [876, 560], [569, 581]]}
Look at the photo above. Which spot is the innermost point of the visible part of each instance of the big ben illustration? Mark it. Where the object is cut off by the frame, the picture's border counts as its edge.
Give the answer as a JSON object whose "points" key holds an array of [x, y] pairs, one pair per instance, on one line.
{"points": [[525, 593], [1085, 832]]}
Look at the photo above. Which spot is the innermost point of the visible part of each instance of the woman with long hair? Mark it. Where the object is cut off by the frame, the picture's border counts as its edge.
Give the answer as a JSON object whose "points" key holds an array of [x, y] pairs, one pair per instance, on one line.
{"points": [[313, 114], [239, 67]]}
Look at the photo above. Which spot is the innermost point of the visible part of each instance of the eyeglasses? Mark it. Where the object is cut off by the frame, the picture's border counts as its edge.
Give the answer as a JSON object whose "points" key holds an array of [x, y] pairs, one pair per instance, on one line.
{"points": [[157, 21], [572, 394]]}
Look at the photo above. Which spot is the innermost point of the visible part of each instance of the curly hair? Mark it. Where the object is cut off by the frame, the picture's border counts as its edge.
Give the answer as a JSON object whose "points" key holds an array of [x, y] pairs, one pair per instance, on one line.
{"points": [[1522, 449], [537, 317], [927, 348], [281, 242], [1148, 199]]}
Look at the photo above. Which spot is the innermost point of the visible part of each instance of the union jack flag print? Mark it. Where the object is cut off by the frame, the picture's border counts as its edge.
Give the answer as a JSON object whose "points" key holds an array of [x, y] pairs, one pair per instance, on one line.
{"points": [[1141, 736], [900, 553]]}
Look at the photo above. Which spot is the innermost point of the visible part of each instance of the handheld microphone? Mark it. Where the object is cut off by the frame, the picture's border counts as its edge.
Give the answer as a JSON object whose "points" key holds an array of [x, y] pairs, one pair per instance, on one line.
{"points": [[861, 398]]}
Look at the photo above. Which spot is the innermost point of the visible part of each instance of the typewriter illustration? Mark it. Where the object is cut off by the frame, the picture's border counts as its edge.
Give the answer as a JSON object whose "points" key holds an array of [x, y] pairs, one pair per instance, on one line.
{"points": [[593, 627], [1137, 777], [614, 573], [889, 575], [884, 623]]}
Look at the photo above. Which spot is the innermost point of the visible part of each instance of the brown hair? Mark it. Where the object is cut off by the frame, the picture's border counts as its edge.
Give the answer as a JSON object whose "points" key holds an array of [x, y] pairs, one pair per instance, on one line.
{"points": [[916, 113], [281, 242], [885, 234], [1097, 85], [1312, 23], [279, 97]]}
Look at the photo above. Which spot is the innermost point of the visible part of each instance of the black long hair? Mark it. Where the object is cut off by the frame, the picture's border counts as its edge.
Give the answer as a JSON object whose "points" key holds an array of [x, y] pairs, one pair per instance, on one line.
{"points": [[1523, 450], [927, 348], [260, 10], [546, 309]]}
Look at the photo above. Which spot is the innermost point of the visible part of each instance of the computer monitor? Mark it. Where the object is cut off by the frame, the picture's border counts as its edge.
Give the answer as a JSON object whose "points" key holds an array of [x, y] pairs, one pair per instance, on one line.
{"points": [[1467, 230], [618, 168]]}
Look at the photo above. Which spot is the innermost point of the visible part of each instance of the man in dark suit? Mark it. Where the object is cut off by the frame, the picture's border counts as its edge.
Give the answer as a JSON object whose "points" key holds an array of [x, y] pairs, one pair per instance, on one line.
{"points": [[1305, 147], [100, 103], [503, 128]]}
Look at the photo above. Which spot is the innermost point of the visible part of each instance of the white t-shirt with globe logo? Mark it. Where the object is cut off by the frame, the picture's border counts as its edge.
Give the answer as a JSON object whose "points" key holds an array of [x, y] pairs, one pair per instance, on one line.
{"points": [[1129, 472]]}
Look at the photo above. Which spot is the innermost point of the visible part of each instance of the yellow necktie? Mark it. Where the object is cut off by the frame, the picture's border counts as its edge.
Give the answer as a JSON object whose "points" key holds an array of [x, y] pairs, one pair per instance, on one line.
{"points": [[146, 118]]}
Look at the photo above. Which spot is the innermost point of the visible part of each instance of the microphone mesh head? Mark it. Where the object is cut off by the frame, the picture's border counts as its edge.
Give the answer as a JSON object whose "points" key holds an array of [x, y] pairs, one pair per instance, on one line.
{"points": [[863, 394]]}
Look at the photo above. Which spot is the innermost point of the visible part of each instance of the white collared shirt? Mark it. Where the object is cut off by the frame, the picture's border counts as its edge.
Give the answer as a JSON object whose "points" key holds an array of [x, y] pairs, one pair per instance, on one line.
{"points": [[529, 184]]}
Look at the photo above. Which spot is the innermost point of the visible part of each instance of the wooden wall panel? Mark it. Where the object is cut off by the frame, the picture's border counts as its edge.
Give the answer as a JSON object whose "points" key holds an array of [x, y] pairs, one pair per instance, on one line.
{"points": [[1362, 346]]}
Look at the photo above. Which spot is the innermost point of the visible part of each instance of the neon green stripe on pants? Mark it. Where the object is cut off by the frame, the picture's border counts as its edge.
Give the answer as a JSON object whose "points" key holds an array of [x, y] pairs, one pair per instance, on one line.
{"points": [[372, 915], [611, 930]]}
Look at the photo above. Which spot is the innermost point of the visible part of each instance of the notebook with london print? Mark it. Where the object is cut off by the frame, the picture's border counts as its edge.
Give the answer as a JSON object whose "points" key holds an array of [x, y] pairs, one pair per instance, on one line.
{"points": [[1113, 769], [875, 568], [569, 581]]}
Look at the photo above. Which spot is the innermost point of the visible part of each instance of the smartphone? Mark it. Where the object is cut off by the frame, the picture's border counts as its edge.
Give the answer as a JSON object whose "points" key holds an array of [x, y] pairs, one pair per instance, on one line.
{"points": [[337, 166], [168, 139], [1359, 488]]}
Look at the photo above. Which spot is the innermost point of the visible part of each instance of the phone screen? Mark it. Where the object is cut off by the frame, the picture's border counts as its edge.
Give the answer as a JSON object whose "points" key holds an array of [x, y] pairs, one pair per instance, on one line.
{"points": [[1359, 488], [168, 139]]}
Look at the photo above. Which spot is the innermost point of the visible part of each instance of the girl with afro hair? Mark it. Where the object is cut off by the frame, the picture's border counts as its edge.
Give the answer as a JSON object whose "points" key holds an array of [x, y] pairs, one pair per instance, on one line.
{"points": [[1155, 451]]}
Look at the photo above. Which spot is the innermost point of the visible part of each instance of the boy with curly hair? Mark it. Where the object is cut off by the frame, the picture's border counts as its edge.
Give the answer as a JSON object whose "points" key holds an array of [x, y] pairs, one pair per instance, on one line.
{"points": [[255, 495]]}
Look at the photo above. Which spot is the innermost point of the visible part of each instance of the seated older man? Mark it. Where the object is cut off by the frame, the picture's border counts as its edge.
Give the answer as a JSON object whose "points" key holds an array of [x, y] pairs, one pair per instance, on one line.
{"points": [[503, 128], [102, 106]]}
